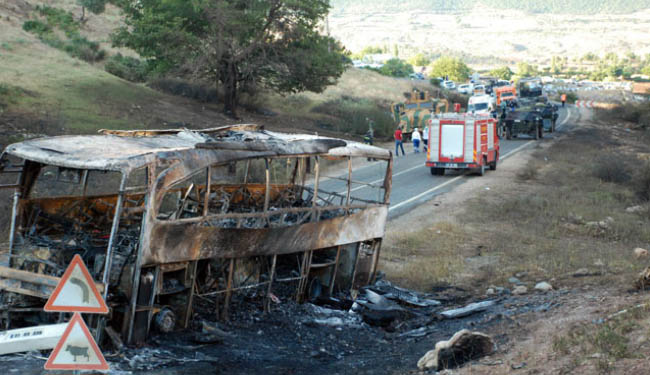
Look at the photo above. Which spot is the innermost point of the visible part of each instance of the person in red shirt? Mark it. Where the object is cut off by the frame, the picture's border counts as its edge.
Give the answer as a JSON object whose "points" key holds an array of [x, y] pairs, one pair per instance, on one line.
{"points": [[398, 142]]}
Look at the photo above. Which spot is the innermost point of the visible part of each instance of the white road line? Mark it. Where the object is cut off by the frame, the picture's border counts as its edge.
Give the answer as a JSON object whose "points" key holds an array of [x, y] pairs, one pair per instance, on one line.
{"points": [[380, 180], [568, 110], [515, 150], [400, 204], [502, 157]]}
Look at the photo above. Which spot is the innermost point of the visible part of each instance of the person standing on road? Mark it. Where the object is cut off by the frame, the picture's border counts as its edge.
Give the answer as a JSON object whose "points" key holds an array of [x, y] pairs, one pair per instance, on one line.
{"points": [[398, 142], [425, 138], [563, 99], [416, 137], [369, 137]]}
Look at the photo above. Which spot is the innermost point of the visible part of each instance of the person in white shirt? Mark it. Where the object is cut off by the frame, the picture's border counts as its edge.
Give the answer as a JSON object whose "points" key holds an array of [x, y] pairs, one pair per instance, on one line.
{"points": [[416, 137], [425, 138]]}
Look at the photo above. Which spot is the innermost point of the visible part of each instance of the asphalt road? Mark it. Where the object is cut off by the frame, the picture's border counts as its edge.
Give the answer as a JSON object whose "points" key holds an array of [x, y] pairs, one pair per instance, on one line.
{"points": [[412, 180]]}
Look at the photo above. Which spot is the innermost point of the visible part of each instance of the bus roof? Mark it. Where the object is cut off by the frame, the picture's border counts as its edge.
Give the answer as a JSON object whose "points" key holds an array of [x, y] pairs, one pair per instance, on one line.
{"points": [[124, 151]]}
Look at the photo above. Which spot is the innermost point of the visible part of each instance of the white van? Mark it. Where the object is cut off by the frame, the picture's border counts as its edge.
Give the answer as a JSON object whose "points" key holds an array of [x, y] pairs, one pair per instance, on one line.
{"points": [[480, 104]]}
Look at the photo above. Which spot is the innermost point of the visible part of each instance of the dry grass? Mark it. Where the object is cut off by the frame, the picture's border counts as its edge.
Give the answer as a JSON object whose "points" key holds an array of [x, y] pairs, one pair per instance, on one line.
{"points": [[601, 344], [354, 83], [544, 228], [556, 217], [414, 259]]}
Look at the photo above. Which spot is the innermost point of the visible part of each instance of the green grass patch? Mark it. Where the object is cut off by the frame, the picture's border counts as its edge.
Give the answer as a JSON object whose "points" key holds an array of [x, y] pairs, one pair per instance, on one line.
{"points": [[128, 68], [59, 18], [78, 98], [9, 95], [52, 20]]}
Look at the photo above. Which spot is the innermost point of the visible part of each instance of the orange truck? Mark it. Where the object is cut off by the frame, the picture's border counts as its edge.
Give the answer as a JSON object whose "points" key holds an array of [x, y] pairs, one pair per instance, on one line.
{"points": [[505, 93], [462, 141]]}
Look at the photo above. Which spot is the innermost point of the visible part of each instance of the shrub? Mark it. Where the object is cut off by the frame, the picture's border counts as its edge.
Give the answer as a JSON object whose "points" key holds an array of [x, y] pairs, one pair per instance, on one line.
{"points": [[82, 48], [76, 45], [352, 115], [4, 89], [612, 168], [643, 182], [128, 68], [36, 27], [635, 113], [59, 18], [179, 87], [396, 68]]}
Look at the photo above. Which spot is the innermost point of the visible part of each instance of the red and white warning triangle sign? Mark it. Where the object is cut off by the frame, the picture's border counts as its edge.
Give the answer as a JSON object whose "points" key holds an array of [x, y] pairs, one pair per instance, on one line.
{"points": [[76, 292], [76, 350]]}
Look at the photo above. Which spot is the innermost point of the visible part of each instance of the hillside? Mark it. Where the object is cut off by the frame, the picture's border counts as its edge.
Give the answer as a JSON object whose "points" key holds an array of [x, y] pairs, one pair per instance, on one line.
{"points": [[533, 6], [487, 36], [44, 90]]}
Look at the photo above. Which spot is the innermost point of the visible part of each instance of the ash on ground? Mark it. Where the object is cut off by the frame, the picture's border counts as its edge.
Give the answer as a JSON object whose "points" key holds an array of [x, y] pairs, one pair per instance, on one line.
{"points": [[385, 330]]}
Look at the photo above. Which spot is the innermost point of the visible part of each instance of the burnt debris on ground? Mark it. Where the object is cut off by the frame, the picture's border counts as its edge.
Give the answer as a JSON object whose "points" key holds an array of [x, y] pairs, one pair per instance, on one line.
{"points": [[386, 328]]}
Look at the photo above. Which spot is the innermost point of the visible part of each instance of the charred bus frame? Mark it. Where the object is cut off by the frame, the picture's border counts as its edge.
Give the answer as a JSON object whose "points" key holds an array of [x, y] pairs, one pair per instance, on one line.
{"points": [[175, 214]]}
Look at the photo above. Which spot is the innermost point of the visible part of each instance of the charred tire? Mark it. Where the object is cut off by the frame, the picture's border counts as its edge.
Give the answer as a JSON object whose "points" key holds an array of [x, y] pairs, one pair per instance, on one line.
{"points": [[165, 320]]}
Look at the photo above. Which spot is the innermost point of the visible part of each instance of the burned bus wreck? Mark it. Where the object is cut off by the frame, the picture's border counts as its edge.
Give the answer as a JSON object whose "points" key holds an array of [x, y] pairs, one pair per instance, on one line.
{"points": [[162, 218]]}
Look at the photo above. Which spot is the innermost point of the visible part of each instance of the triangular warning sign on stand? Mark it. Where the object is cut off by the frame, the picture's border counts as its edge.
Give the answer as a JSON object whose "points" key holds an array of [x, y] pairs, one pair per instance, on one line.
{"points": [[76, 292], [77, 350]]}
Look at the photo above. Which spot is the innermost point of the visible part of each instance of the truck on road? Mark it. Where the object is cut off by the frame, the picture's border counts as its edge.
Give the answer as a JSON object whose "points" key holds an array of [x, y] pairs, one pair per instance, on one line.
{"points": [[524, 118], [505, 94], [416, 111], [531, 89], [462, 141], [480, 104]]}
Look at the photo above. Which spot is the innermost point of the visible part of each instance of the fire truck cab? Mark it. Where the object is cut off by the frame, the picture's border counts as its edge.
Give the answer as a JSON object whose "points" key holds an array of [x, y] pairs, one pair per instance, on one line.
{"points": [[462, 141]]}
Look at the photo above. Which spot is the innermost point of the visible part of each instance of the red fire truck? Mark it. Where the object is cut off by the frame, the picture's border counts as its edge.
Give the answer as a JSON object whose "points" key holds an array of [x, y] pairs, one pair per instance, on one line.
{"points": [[462, 141]]}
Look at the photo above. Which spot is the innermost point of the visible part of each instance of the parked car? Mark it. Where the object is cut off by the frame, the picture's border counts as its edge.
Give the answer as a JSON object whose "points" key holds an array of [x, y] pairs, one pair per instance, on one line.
{"points": [[449, 85], [502, 82], [479, 90], [417, 76], [466, 88]]}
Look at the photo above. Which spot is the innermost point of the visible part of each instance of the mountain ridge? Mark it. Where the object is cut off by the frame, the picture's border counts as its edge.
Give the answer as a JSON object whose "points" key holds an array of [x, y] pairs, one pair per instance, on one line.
{"points": [[530, 6]]}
